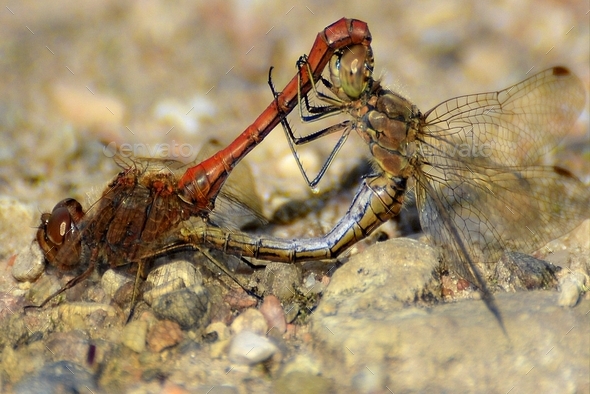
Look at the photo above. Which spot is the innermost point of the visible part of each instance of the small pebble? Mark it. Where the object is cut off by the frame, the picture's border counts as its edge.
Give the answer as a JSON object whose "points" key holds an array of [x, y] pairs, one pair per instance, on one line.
{"points": [[134, 335], [112, 280], [250, 348], [314, 286], [97, 294], [218, 349], [169, 277], [152, 295], [462, 284], [272, 310], [45, 286], [250, 320], [172, 388], [221, 329], [304, 363], [291, 312], [571, 289], [189, 307], [309, 281], [239, 299], [58, 377], [29, 264], [446, 292], [164, 334], [181, 269], [84, 109], [280, 278], [518, 271], [298, 382]]}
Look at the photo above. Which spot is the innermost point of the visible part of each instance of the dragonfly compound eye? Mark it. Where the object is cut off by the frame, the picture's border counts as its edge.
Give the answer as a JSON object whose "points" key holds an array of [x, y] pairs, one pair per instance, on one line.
{"points": [[62, 224], [58, 225], [351, 71], [60, 230]]}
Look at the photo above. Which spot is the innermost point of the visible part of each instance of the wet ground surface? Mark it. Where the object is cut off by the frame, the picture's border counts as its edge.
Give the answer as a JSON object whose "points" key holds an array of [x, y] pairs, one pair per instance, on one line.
{"points": [[79, 77]]}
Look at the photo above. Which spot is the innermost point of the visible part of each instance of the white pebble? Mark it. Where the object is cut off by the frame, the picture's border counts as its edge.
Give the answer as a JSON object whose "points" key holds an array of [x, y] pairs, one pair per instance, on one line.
{"points": [[250, 320], [249, 348]]}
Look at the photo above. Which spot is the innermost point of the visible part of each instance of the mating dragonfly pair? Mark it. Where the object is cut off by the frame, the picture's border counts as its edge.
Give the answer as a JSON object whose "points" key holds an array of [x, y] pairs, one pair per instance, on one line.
{"points": [[472, 161]]}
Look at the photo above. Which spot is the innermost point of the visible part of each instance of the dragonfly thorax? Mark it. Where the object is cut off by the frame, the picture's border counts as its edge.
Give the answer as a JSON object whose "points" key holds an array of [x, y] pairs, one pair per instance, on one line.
{"points": [[388, 129]]}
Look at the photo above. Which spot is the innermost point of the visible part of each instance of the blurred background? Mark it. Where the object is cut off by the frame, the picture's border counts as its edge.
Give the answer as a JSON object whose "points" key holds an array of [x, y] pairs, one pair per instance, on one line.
{"points": [[165, 77]]}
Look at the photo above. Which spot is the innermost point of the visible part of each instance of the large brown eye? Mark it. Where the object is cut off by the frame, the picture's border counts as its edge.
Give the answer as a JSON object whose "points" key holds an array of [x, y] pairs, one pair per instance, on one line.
{"points": [[351, 70], [59, 223]]}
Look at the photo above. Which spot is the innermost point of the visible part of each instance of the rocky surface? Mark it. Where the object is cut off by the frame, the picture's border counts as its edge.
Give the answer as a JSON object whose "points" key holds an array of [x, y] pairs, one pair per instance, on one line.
{"points": [[369, 323]]}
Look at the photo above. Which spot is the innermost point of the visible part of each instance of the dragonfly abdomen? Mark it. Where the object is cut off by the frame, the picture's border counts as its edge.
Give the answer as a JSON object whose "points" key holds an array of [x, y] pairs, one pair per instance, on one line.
{"points": [[379, 199]]}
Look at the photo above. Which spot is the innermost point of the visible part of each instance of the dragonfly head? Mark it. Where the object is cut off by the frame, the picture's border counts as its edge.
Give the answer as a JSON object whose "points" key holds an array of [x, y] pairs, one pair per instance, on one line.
{"points": [[351, 71], [59, 232]]}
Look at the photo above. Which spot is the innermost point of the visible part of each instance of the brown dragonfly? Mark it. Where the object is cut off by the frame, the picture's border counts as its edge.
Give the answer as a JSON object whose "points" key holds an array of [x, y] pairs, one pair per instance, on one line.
{"points": [[472, 160], [138, 215]]}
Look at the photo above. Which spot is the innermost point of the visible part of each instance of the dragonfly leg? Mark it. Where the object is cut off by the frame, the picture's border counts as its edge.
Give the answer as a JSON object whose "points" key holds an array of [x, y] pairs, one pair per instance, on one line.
{"points": [[336, 106], [71, 283]]}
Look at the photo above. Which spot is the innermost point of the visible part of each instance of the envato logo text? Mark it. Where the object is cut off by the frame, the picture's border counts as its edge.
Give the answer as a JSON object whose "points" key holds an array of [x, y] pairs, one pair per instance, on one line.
{"points": [[160, 150], [463, 150]]}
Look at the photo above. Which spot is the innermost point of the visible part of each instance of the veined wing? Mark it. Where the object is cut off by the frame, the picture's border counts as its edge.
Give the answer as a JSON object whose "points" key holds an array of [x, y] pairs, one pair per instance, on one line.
{"points": [[237, 203], [475, 213], [478, 193], [512, 127]]}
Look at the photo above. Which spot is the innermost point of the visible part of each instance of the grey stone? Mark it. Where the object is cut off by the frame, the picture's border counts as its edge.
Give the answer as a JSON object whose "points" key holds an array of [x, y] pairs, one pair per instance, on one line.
{"points": [[189, 307]]}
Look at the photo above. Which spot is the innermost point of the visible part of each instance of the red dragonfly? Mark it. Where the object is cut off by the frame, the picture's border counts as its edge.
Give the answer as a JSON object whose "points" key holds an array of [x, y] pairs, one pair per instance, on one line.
{"points": [[200, 184], [147, 201]]}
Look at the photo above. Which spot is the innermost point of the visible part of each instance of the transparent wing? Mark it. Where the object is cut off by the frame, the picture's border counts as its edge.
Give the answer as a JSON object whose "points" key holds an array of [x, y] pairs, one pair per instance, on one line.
{"points": [[238, 204], [514, 126], [476, 215], [478, 193]]}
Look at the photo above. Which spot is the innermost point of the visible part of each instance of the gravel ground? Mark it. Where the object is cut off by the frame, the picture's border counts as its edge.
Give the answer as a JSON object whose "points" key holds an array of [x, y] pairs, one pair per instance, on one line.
{"points": [[79, 76]]}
